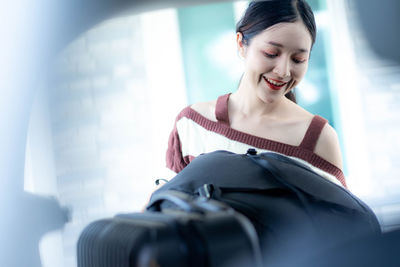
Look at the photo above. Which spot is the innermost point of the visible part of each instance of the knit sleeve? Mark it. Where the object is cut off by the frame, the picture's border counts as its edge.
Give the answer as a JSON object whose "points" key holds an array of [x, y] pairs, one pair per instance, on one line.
{"points": [[174, 155]]}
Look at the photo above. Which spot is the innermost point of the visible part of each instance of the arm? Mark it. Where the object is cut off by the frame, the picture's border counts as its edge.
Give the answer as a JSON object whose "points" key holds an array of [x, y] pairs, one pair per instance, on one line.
{"points": [[328, 146], [174, 157]]}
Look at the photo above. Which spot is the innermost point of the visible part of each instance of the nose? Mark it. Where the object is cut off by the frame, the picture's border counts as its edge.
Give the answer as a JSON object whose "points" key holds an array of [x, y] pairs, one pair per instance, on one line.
{"points": [[282, 68]]}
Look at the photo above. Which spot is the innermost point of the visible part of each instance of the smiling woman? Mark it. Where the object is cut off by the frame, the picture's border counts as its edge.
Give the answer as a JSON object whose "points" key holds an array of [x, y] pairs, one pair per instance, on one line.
{"points": [[274, 38]]}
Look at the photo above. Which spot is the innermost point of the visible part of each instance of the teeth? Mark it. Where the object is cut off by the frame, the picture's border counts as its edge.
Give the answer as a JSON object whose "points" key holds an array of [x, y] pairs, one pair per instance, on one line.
{"points": [[275, 83]]}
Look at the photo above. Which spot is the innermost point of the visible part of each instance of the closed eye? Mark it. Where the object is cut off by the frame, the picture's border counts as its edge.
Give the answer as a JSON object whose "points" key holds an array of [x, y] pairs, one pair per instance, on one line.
{"points": [[270, 55], [298, 61]]}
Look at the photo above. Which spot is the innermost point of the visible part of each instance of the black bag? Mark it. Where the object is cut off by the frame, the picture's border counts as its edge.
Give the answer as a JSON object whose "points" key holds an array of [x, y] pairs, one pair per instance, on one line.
{"points": [[198, 232], [296, 212]]}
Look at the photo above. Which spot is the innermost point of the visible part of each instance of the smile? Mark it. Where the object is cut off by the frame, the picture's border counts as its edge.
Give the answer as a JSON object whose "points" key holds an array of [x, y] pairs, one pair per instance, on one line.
{"points": [[273, 84]]}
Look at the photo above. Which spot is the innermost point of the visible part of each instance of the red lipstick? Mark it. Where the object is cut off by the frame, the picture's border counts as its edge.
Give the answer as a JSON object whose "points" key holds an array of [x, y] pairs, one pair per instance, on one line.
{"points": [[274, 86]]}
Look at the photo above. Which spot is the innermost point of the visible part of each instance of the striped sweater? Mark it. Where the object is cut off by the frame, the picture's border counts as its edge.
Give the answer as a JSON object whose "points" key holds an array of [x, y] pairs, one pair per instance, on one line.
{"points": [[193, 134]]}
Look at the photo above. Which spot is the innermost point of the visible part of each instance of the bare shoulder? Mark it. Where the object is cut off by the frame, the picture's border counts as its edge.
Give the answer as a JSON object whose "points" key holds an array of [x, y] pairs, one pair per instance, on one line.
{"points": [[301, 114], [328, 146], [206, 109]]}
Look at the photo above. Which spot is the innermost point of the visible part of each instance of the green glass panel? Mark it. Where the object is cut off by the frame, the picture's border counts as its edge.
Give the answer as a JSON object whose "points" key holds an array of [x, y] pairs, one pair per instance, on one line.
{"points": [[200, 26], [317, 77], [315, 4]]}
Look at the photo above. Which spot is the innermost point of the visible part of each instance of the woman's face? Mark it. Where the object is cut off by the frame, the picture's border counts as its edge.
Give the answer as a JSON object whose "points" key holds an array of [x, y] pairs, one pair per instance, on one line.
{"points": [[276, 59]]}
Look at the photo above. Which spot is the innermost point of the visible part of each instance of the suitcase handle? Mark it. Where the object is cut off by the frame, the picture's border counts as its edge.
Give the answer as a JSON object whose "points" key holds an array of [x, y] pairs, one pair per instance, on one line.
{"points": [[186, 202]]}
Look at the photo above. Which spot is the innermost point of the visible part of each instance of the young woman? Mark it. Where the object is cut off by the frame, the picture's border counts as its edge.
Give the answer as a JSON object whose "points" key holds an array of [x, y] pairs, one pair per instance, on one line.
{"points": [[274, 39]]}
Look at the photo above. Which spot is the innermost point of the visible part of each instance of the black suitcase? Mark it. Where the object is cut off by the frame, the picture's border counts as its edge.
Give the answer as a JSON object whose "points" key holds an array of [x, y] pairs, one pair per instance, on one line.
{"points": [[197, 232]]}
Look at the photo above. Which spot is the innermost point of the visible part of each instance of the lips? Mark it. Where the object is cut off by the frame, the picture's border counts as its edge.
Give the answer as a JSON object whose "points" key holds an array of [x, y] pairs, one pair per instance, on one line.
{"points": [[274, 84]]}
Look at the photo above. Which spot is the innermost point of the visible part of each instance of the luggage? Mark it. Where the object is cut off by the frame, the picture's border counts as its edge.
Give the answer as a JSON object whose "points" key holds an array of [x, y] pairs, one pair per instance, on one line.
{"points": [[196, 219], [296, 212], [197, 232]]}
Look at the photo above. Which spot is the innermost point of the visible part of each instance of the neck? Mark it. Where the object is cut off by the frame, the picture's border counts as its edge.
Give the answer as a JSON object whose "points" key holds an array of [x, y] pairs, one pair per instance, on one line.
{"points": [[246, 101]]}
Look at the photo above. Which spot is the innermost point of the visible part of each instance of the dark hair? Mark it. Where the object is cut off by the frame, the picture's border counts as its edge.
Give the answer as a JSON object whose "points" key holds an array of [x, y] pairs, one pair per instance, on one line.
{"points": [[261, 15]]}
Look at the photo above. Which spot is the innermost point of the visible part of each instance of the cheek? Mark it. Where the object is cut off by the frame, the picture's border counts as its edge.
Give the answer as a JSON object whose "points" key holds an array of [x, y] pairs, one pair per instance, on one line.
{"points": [[299, 72], [257, 64]]}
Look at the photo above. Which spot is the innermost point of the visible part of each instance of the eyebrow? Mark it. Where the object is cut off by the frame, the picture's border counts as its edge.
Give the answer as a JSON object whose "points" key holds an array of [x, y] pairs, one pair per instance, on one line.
{"points": [[281, 46]]}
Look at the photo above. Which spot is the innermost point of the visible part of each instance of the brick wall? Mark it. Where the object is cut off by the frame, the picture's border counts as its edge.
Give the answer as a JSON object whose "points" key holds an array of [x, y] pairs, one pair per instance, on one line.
{"points": [[114, 95]]}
